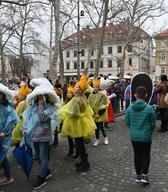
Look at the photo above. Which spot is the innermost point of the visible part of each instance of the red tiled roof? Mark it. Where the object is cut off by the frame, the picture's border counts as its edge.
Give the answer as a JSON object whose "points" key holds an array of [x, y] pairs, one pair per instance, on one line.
{"points": [[163, 34], [116, 32]]}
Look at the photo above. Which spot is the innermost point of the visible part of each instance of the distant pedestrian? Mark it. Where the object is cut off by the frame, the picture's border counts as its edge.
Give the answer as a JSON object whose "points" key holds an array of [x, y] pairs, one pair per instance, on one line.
{"points": [[127, 96], [162, 89], [141, 120]]}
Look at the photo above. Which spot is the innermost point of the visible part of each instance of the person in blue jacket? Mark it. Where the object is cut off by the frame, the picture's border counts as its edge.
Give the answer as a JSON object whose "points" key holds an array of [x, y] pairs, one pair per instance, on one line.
{"points": [[8, 120], [141, 120]]}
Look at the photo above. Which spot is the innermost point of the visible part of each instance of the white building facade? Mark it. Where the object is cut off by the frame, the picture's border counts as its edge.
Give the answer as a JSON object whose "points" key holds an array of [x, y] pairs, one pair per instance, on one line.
{"points": [[139, 53]]}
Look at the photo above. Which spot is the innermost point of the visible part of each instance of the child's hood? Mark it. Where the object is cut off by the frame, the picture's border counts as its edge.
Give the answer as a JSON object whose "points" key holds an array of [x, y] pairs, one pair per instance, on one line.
{"points": [[138, 105]]}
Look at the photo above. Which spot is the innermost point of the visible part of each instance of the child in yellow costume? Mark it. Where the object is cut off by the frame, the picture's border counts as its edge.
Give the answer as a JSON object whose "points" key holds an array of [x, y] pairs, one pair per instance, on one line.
{"points": [[78, 122], [16, 133], [99, 103], [71, 154]]}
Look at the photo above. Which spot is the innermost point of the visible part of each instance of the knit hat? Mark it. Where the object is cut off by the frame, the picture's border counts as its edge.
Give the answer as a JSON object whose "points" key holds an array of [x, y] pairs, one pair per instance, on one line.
{"points": [[96, 82], [105, 84], [24, 90], [83, 83], [70, 89]]}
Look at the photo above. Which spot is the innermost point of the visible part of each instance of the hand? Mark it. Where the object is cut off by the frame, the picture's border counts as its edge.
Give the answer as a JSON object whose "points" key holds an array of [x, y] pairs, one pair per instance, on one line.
{"points": [[24, 132], [97, 116], [2, 135]]}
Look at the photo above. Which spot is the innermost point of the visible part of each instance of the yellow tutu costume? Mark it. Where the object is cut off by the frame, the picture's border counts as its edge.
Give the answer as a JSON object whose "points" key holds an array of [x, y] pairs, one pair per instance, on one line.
{"points": [[16, 133], [77, 119]]}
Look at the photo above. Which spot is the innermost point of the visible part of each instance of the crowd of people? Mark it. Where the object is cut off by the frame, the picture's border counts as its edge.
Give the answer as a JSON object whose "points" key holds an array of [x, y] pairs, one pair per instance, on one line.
{"points": [[32, 110]]}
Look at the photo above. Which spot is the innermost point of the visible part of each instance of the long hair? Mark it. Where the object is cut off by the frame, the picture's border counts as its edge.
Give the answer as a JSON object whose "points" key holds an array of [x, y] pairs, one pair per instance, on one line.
{"points": [[4, 102]]}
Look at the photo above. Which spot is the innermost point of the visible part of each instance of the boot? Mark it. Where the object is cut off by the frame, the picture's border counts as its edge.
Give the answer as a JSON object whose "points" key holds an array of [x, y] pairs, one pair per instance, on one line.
{"points": [[83, 165]]}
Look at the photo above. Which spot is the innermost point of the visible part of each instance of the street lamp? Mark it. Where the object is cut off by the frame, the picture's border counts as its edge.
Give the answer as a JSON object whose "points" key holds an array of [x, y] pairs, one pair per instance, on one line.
{"points": [[80, 13]]}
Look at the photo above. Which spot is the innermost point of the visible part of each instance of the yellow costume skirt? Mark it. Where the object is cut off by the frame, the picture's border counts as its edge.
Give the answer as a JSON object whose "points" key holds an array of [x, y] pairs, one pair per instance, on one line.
{"points": [[77, 119]]}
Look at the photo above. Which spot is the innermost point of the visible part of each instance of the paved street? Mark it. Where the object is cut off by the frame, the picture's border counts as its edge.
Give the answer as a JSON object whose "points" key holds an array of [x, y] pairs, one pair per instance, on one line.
{"points": [[111, 167]]}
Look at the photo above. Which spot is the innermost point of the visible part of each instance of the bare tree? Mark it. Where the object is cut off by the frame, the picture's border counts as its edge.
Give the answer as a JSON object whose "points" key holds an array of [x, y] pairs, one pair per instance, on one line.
{"points": [[6, 31], [100, 47], [24, 37], [104, 11], [21, 2], [53, 64], [137, 13]]}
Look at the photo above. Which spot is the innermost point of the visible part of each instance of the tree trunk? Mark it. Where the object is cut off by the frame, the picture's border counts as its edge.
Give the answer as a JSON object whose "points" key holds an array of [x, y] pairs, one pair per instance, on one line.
{"points": [[21, 62], [121, 73], [89, 56], [61, 67], [53, 65], [3, 67], [100, 47]]}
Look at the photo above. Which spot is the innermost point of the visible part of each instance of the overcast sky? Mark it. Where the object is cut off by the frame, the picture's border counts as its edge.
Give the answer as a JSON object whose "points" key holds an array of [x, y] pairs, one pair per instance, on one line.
{"points": [[153, 27]]}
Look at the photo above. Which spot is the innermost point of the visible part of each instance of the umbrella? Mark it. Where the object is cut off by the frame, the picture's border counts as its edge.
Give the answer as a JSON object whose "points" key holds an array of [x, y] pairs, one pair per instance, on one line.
{"points": [[23, 155]]}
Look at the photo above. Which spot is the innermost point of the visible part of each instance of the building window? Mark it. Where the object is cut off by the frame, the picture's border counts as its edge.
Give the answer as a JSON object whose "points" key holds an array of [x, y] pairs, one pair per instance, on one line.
{"points": [[75, 65], [163, 56], [130, 61], [82, 65], [109, 63], [75, 53], [67, 54], [91, 65], [162, 44], [82, 52], [67, 66], [129, 48], [109, 50], [92, 52], [162, 70], [119, 49], [101, 64]]}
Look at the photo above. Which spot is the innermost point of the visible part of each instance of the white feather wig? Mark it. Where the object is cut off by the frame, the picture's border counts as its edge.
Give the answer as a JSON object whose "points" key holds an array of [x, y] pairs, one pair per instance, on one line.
{"points": [[40, 81], [43, 89], [5, 90], [104, 84]]}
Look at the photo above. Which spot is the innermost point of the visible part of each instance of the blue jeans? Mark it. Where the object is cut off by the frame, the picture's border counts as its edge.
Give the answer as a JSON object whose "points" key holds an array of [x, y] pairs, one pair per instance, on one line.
{"points": [[41, 149], [6, 167]]}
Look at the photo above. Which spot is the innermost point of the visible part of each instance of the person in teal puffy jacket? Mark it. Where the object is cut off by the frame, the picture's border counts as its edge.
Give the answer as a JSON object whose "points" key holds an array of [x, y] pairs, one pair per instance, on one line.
{"points": [[141, 120]]}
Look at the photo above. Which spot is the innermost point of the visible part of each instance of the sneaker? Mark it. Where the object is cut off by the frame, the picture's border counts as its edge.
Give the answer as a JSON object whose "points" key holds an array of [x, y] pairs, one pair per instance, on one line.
{"points": [[6, 180], [49, 175], [144, 179], [69, 155], [106, 142], [137, 178], [39, 183], [96, 143]]}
